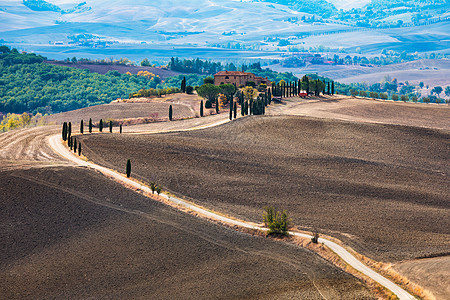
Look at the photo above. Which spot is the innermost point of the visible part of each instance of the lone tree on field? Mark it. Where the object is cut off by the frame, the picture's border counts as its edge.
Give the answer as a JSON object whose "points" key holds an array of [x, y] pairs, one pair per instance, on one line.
{"points": [[201, 108], [170, 112], [81, 127], [128, 168], [100, 125], [110, 126], [90, 125], [120, 128]]}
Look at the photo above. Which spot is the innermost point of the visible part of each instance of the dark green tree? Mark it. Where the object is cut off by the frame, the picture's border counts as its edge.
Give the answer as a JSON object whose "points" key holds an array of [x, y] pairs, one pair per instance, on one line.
{"points": [[209, 91], [170, 112], [201, 108], [90, 125], [183, 85], [332, 88], [81, 127], [231, 110], [69, 129], [64, 131], [235, 110], [217, 105], [120, 130], [100, 125], [128, 168], [189, 89], [70, 142], [208, 80], [79, 149], [110, 126], [74, 145]]}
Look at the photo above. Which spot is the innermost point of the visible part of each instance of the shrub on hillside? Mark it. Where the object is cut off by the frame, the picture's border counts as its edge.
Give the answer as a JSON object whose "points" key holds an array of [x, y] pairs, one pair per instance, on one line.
{"points": [[278, 222], [208, 104], [189, 89]]}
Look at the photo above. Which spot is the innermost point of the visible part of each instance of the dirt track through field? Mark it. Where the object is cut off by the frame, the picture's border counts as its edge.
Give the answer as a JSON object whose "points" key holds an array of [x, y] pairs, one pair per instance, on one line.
{"points": [[28, 148]]}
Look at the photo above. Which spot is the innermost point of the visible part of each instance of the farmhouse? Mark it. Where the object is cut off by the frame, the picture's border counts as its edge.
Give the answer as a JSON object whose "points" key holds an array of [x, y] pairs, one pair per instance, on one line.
{"points": [[238, 78]]}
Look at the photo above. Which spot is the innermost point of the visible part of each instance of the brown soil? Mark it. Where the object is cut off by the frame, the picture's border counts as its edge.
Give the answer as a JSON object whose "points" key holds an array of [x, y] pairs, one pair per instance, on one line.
{"points": [[368, 110], [156, 110], [432, 273], [103, 69], [72, 233], [383, 189]]}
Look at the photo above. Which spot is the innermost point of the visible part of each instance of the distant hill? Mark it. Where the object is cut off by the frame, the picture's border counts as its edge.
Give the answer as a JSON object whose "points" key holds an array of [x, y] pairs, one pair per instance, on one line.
{"points": [[71, 27]]}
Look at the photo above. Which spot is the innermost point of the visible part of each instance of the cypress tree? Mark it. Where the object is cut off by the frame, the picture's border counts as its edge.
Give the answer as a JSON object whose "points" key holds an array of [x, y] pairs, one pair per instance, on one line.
{"points": [[81, 127], [69, 129], [128, 168], [235, 110], [332, 88], [217, 105], [100, 125], [328, 92], [170, 112], [64, 131], [110, 126], [79, 149], [183, 85], [242, 109], [201, 108], [269, 97], [74, 145], [120, 128], [90, 125], [251, 106], [231, 110], [70, 142]]}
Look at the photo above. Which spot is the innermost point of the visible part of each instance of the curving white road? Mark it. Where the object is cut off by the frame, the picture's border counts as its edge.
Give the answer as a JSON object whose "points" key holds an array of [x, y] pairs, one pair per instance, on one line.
{"points": [[55, 142]]}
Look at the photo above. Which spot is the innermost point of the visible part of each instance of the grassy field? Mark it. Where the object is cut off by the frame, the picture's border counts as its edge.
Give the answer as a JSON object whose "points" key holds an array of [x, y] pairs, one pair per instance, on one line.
{"points": [[382, 189], [81, 235]]}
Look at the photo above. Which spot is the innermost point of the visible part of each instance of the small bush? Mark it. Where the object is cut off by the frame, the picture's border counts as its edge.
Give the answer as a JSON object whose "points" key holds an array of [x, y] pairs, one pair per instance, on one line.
{"points": [[153, 187], [189, 89], [315, 238], [158, 190], [208, 104], [277, 221]]}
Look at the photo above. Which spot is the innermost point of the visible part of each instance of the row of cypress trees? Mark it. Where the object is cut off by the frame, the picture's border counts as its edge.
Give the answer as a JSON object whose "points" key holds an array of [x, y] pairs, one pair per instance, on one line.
{"points": [[306, 84]]}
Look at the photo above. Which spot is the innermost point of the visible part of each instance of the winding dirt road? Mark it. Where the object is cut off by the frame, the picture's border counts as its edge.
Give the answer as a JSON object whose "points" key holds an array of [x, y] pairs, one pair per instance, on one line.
{"points": [[42, 147], [55, 143]]}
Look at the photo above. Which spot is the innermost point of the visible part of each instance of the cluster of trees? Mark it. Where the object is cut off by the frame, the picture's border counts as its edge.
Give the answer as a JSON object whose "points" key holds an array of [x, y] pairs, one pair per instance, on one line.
{"points": [[10, 57], [29, 85], [14, 121], [392, 89], [154, 92], [199, 66]]}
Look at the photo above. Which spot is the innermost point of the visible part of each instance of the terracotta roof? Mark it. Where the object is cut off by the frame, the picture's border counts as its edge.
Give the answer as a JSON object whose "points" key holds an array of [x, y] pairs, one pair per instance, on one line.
{"points": [[233, 73]]}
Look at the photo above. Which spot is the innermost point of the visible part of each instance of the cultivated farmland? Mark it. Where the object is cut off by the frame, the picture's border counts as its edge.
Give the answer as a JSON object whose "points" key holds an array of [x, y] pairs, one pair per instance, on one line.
{"points": [[383, 189]]}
